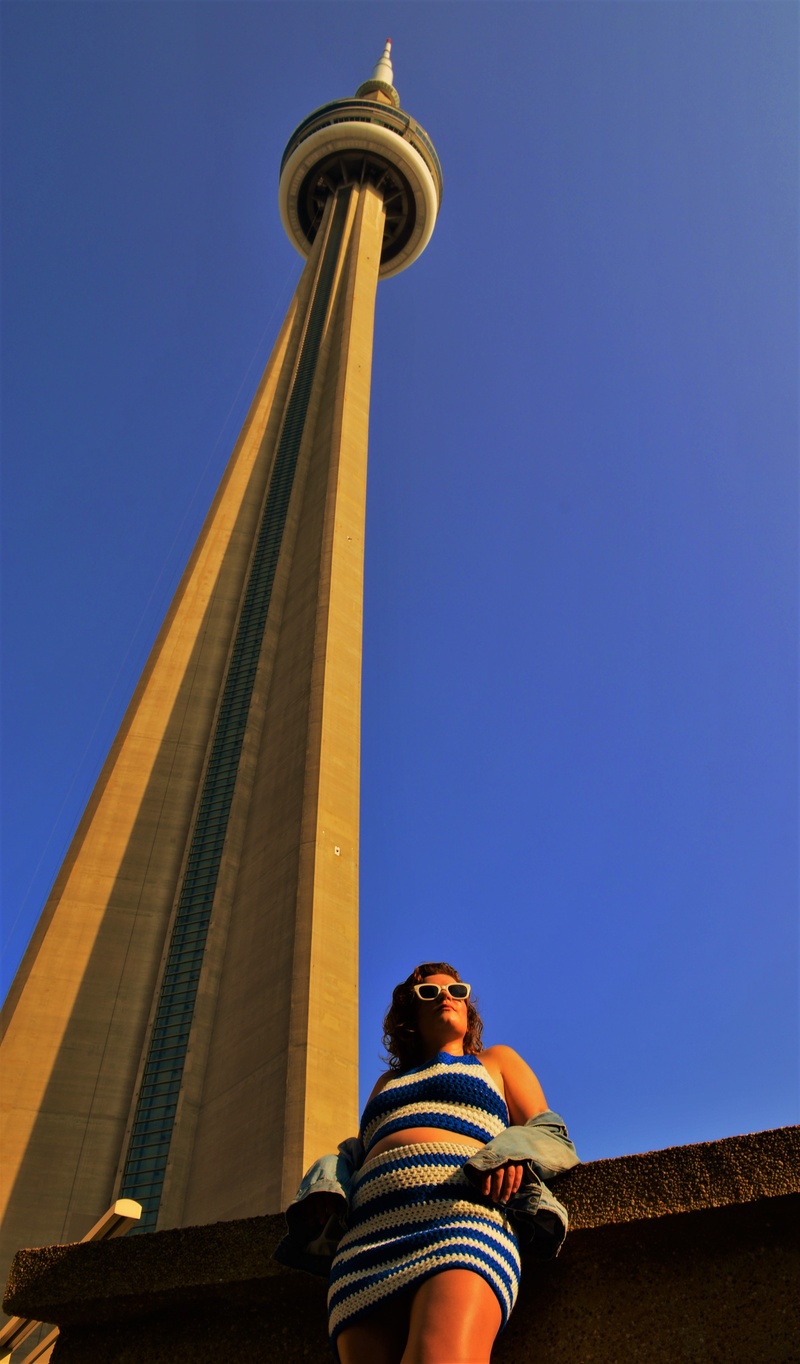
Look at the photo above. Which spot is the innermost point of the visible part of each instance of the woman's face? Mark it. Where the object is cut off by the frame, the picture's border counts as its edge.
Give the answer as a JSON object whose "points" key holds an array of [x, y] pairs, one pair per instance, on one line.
{"points": [[442, 1022]]}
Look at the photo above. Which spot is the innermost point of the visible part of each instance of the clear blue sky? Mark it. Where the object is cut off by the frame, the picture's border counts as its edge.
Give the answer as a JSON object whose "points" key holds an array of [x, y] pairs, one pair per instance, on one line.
{"points": [[580, 664]]}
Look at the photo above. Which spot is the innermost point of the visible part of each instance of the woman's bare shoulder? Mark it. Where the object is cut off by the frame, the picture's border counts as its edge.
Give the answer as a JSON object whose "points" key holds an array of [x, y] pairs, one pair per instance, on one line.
{"points": [[523, 1093], [381, 1083], [500, 1051], [503, 1057]]}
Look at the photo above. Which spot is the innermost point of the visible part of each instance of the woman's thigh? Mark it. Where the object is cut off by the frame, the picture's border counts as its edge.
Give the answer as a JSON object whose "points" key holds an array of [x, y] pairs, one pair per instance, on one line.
{"points": [[455, 1318], [378, 1338]]}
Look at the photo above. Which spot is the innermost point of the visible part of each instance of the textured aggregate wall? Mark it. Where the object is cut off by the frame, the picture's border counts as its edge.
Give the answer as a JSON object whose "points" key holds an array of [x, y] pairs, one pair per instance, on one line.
{"points": [[690, 1254]]}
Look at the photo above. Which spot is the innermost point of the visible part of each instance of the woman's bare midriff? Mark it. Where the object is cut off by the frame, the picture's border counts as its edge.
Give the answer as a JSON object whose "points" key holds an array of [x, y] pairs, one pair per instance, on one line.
{"points": [[412, 1136]]}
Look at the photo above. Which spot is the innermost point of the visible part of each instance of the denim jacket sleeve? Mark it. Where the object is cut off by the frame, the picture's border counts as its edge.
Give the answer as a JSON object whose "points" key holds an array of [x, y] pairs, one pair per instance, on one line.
{"points": [[305, 1245], [544, 1147]]}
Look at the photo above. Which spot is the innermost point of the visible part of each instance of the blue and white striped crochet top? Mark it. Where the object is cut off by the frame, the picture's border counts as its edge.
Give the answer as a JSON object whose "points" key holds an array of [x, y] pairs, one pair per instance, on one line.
{"points": [[455, 1093]]}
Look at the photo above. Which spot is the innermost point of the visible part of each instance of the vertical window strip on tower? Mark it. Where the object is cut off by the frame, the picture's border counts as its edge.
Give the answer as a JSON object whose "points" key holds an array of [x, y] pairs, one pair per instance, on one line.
{"points": [[154, 1117]]}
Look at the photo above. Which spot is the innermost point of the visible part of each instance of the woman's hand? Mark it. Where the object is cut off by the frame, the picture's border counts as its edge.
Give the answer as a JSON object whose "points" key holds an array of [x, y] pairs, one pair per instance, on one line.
{"points": [[318, 1207], [502, 1183]]}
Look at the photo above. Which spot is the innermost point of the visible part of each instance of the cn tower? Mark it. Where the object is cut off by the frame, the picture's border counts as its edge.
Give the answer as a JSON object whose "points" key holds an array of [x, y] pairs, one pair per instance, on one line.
{"points": [[183, 1027]]}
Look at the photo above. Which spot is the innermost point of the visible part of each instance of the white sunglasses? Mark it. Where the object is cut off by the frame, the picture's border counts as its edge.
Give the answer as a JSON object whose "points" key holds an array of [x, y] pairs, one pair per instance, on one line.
{"points": [[429, 992]]}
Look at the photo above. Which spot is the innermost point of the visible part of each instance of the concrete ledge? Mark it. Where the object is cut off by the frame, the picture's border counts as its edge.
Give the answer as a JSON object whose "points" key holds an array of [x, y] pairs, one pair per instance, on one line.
{"points": [[691, 1253], [711, 1174], [710, 1287], [150, 1273]]}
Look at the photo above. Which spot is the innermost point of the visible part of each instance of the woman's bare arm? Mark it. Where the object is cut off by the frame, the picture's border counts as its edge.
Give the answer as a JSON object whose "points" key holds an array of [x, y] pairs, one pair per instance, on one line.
{"points": [[523, 1093], [524, 1099]]}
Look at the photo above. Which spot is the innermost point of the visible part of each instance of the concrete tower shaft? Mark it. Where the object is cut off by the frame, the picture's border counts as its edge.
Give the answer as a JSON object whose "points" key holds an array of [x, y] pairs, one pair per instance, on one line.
{"points": [[183, 1027]]}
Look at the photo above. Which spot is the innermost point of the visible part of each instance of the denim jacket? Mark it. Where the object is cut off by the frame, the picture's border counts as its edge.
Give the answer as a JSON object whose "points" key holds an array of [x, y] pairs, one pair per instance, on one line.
{"points": [[540, 1221]]}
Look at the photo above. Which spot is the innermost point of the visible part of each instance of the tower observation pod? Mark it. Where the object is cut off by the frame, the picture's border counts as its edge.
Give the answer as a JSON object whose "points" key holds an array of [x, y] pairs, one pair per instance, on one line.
{"points": [[349, 144], [183, 1027]]}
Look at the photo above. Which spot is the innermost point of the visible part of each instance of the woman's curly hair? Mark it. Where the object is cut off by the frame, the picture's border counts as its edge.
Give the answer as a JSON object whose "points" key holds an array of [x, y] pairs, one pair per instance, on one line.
{"points": [[400, 1036]]}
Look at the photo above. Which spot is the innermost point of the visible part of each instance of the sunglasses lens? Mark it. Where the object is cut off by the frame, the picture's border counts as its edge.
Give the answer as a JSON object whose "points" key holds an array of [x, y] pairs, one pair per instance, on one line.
{"points": [[428, 991], [459, 991]]}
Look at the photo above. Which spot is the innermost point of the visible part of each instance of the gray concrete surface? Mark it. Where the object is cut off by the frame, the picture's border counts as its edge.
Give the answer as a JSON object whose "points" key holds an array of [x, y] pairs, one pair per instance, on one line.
{"points": [[687, 1254]]}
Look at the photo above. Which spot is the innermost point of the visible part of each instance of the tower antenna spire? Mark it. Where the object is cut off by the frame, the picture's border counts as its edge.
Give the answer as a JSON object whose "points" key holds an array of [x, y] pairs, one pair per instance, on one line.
{"points": [[380, 86], [383, 68]]}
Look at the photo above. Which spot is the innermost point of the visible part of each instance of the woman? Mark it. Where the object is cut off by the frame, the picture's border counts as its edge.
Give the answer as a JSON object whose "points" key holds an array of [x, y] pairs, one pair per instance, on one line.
{"points": [[428, 1268]]}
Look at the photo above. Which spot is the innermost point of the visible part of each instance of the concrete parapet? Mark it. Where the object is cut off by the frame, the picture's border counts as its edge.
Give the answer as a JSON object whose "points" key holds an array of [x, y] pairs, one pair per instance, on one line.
{"points": [[686, 1254]]}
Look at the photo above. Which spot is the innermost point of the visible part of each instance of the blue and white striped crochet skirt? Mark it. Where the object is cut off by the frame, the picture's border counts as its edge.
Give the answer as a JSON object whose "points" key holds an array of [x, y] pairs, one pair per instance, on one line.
{"points": [[414, 1213]]}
